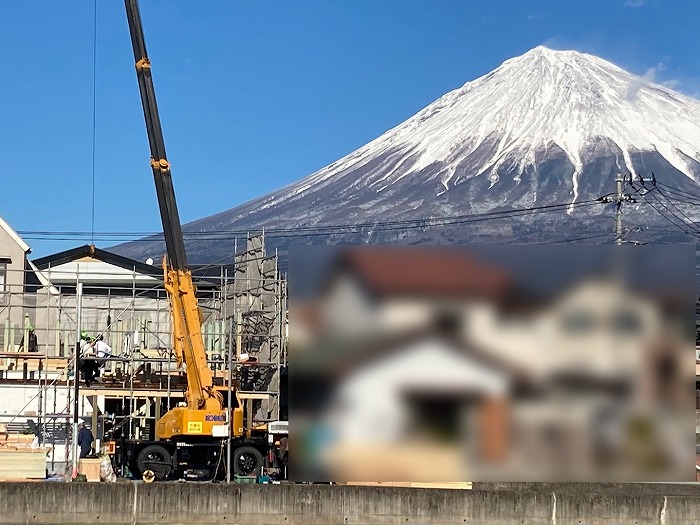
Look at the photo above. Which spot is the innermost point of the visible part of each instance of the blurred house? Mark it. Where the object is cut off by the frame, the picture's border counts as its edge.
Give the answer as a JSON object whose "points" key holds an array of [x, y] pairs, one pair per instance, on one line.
{"points": [[387, 288], [421, 390], [407, 340], [594, 325]]}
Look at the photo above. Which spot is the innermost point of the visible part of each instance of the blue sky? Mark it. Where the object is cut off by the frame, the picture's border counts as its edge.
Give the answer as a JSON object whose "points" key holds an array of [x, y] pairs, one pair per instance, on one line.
{"points": [[254, 95]]}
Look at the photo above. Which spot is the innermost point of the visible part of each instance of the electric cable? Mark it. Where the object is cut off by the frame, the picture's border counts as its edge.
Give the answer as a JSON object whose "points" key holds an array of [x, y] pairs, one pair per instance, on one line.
{"points": [[94, 115], [306, 231]]}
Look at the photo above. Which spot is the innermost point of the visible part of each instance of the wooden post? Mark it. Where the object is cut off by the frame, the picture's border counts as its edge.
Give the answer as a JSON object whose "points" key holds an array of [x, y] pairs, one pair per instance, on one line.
{"points": [[493, 424], [238, 336], [249, 417], [94, 422], [58, 348]]}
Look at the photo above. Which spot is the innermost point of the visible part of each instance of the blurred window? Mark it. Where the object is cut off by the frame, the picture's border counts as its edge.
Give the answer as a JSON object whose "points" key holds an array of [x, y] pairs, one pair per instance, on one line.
{"points": [[626, 322], [578, 322]]}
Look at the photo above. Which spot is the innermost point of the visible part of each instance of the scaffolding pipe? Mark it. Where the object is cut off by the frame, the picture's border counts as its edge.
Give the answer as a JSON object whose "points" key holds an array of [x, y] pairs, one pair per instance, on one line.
{"points": [[230, 401], [76, 376], [133, 348]]}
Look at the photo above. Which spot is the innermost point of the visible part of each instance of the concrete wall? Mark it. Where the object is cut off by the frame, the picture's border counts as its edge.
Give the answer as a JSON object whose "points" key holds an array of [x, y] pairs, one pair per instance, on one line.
{"points": [[635, 489], [195, 504]]}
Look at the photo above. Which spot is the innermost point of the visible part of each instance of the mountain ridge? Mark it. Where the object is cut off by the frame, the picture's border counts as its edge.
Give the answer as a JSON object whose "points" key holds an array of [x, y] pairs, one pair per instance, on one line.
{"points": [[542, 128]]}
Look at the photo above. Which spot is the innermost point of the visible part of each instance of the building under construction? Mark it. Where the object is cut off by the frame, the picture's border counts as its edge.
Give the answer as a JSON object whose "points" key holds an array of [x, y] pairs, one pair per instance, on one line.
{"points": [[49, 301]]}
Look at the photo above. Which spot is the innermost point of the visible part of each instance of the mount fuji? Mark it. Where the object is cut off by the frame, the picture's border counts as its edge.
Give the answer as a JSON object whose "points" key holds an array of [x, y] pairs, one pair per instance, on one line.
{"points": [[548, 130]]}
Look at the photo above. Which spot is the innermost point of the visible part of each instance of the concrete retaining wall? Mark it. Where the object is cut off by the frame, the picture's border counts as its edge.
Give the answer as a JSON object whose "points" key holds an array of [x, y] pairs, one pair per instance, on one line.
{"points": [[631, 489], [199, 504]]}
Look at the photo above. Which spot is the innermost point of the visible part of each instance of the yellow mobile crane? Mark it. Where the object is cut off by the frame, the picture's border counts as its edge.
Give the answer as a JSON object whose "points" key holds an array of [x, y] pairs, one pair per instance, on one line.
{"points": [[190, 440]]}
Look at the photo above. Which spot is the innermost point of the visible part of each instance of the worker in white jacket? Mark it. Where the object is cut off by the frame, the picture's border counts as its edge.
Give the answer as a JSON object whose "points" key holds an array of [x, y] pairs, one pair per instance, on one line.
{"points": [[95, 355], [103, 352], [102, 349]]}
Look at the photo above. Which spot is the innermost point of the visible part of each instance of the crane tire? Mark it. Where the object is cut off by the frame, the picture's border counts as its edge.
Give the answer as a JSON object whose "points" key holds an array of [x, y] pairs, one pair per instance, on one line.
{"points": [[246, 461], [155, 458]]}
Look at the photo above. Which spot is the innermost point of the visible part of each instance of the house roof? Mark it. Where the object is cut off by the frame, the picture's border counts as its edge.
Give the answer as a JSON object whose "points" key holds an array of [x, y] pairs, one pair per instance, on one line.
{"points": [[200, 274], [421, 271], [340, 356], [13, 235], [91, 251]]}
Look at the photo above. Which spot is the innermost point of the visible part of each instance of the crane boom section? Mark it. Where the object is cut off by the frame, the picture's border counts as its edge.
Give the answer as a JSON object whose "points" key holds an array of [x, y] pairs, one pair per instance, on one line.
{"points": [[169, 215], [188, 340], [186, 316]]}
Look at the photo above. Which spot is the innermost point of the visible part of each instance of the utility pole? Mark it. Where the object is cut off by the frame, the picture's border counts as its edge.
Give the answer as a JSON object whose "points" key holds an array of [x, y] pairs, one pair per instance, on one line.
{"points": [[618, 210], [618, 198]]}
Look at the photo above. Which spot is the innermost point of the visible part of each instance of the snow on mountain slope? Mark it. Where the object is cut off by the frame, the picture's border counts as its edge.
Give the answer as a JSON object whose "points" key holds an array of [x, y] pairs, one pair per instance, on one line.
{"points": [[542, 98], [547, 127]]}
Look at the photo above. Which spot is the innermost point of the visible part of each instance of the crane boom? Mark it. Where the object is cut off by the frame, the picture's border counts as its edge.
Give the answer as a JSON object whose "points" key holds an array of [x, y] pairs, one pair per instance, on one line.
{"points": [[186, 316], [188, 439]]}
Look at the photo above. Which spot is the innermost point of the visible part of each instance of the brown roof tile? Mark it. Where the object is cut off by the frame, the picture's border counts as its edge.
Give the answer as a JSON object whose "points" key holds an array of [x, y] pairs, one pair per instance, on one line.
{"points": [[424, 271]]}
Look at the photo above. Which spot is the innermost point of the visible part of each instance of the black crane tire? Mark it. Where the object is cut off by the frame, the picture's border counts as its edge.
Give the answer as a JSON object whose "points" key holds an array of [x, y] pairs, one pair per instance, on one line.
{"points": [[155, 458], [247, 461]]}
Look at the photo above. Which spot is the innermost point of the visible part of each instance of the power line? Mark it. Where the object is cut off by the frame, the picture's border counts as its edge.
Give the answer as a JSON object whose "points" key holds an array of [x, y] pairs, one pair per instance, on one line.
{"points": [[692, 227], [690, 221], [317, 230], [661, 213], [679, 191], [575, 239], [94, 115]]}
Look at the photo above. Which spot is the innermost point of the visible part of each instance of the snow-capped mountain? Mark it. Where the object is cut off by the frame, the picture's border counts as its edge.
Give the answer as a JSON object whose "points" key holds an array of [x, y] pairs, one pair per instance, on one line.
{"points": [[548, 127]]}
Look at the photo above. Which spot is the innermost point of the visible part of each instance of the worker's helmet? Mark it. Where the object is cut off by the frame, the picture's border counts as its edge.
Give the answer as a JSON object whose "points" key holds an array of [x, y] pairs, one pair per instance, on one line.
{"points": [[81, 422], [83, 334], [149, 476]]}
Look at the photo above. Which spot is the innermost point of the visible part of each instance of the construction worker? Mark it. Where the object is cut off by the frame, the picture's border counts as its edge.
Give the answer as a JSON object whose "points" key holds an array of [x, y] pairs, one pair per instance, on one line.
{"points": [[85, 439], [84, 338], [102, 351], [88, 362]]}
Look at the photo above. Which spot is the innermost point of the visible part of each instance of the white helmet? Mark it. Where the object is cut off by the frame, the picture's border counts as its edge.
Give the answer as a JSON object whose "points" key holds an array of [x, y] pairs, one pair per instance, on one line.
{"points": [[81, 422]]}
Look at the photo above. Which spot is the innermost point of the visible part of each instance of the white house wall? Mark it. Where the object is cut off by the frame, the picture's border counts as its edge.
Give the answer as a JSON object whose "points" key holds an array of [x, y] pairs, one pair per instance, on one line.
{"points": [[12, 300], [21, 402], [542, 344], [93, 271], [602, 350], [369, 401], [347, 310], [400, 314]]}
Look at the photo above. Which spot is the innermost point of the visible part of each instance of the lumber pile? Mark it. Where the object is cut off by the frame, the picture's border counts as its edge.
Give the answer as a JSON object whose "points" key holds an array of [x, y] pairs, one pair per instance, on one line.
{"points": [[16, 440], [18, 460], [22, 463]]}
